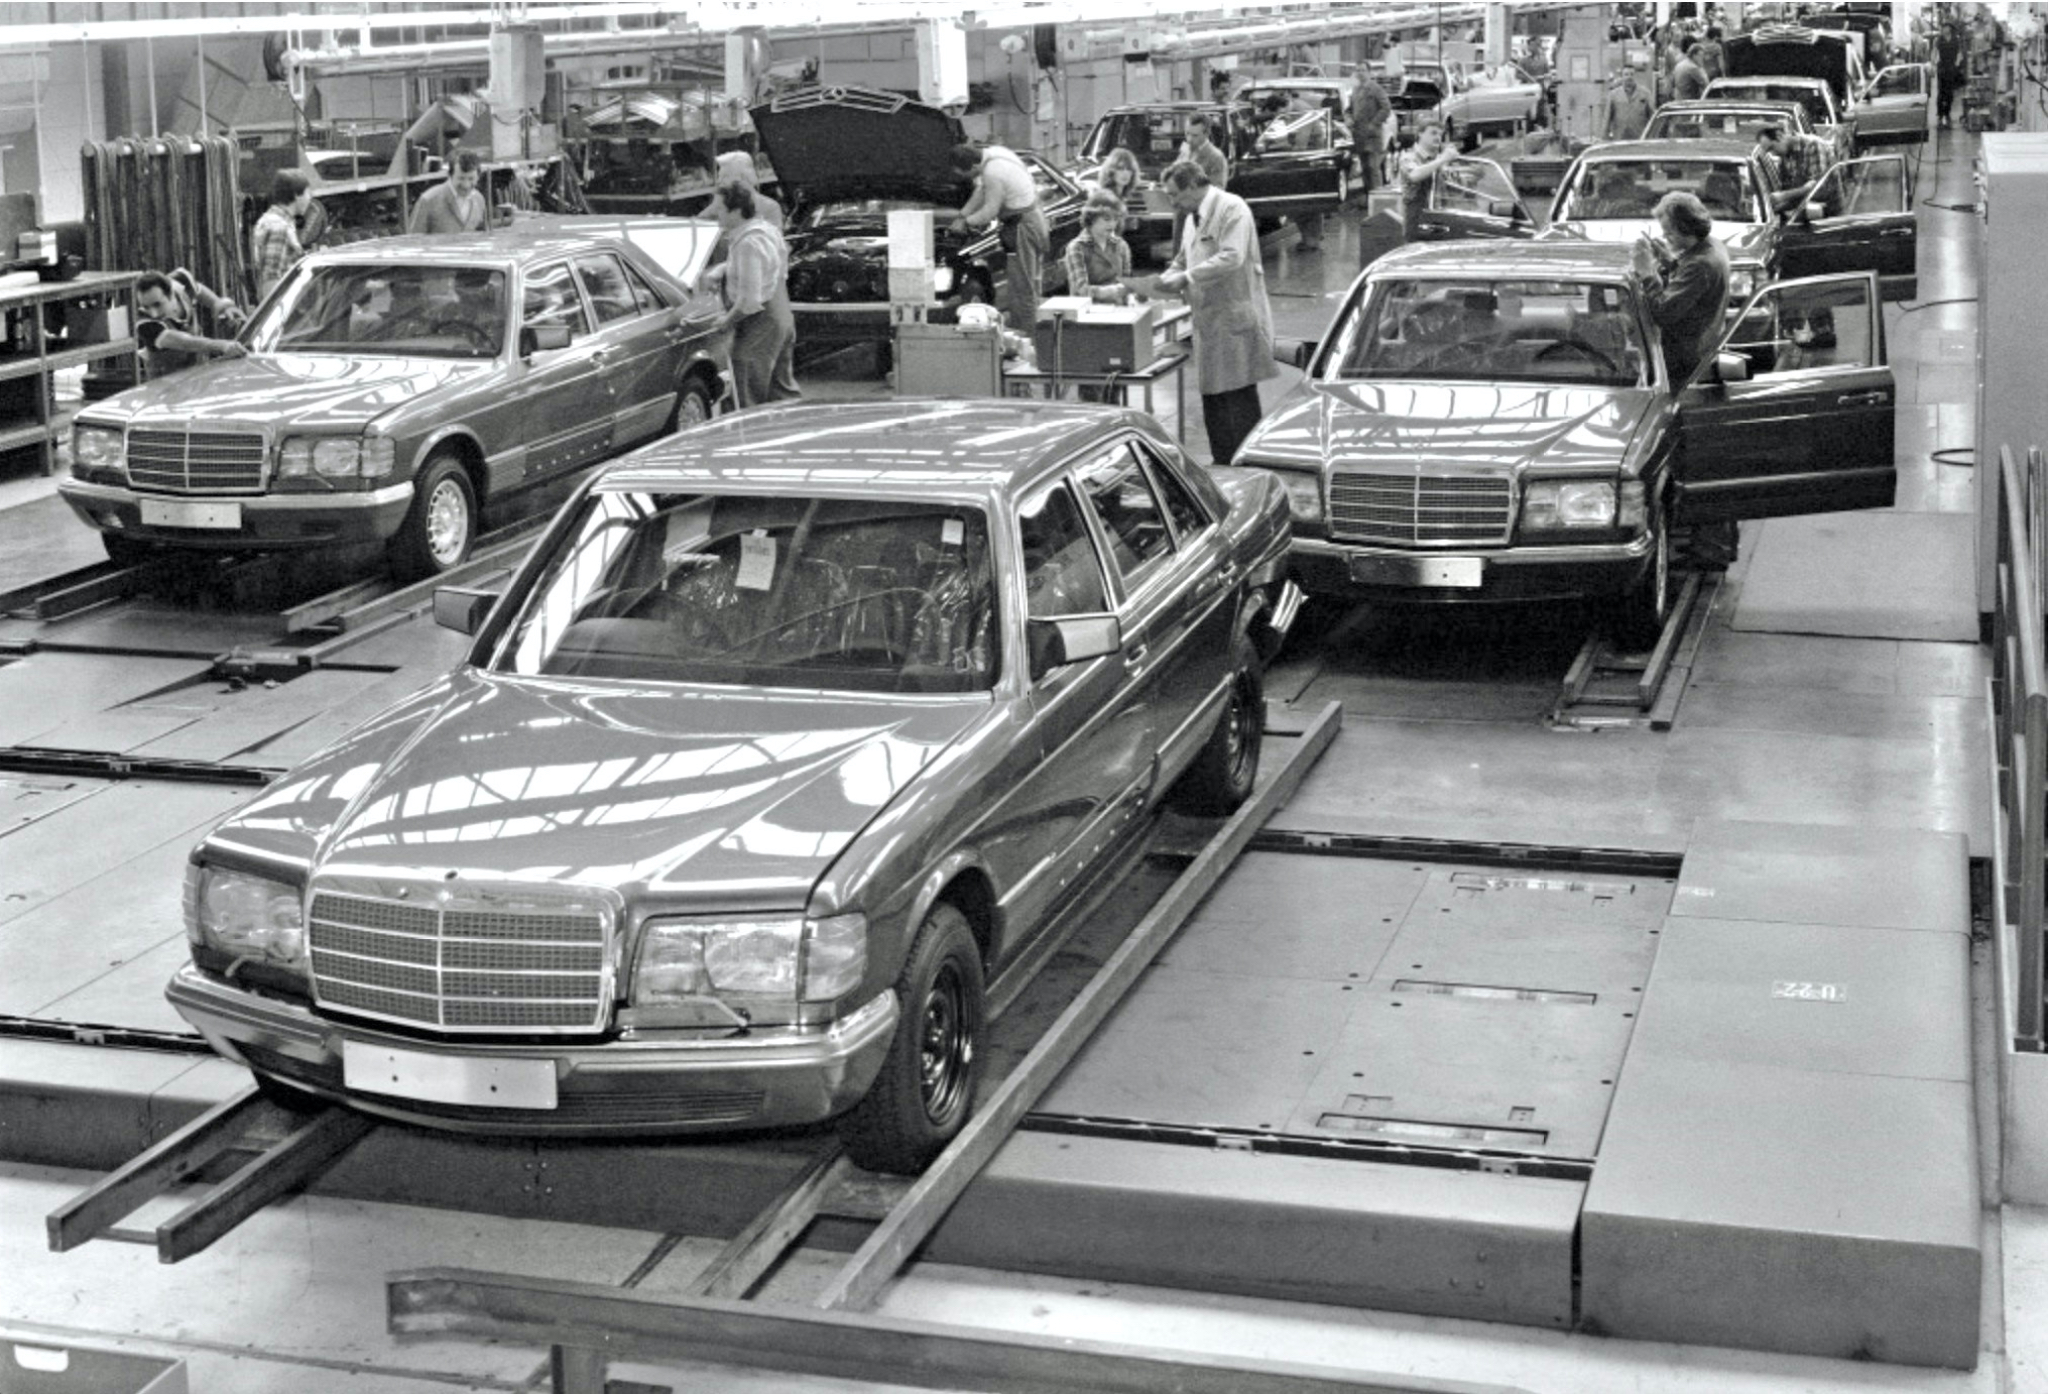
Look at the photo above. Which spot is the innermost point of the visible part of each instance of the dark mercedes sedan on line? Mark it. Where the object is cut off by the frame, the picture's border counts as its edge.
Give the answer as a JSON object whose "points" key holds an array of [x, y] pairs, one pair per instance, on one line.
{"points": [[1495, 421], [789, 741], [390, 389]]}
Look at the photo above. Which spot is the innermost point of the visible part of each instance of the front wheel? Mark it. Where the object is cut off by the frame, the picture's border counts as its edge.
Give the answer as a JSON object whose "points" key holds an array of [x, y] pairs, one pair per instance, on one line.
{"points": [[921, 1099], [1639, 619], [693, 406], [441, 524], [1222, 776]]}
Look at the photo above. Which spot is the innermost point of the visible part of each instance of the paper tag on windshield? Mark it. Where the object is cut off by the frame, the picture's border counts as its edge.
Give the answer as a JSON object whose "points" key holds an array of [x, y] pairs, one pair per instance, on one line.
{"points": [[951, 532], [757, 562]]}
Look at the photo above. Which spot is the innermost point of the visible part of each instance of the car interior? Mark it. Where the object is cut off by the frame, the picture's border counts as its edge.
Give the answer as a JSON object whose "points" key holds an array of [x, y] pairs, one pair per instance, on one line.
{"points": [[1526, 330]]}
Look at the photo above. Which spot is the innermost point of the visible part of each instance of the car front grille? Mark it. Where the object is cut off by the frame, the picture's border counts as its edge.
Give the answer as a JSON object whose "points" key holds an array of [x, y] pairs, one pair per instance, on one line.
{"points": [[460, 963], [196, 462], [1411, 508]]}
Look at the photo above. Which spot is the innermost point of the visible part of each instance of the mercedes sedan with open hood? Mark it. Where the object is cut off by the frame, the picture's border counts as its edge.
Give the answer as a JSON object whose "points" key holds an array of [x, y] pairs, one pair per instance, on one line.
{"points": [[780, 757], [388, 391], [848, 157], [1495, 421]]}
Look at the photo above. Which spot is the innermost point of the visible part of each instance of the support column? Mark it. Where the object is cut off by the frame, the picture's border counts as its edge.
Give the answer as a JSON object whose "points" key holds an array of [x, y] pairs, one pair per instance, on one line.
{"points": [[1498, 27], [518, 84]]}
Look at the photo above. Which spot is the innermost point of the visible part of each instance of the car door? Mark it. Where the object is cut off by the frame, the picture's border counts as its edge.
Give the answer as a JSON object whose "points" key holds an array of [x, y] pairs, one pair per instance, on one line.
{"points": [[1810, 430], [1090, 720], [567, 400], [636, 346], [1896, 107], [1475, 198], [1859, 217], [1205, 586]]}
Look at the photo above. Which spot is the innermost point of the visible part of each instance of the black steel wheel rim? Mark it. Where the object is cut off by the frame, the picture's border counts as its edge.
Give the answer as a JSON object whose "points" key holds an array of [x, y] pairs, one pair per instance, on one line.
{"points": [[1237, 735], [945, 1047]]}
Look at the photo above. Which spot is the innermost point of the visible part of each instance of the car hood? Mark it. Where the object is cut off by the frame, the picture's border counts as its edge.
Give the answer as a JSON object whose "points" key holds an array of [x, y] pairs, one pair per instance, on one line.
{"points": [[1744, 242], [739, 796], [301, 389], [1485, 427], [827, 148]]}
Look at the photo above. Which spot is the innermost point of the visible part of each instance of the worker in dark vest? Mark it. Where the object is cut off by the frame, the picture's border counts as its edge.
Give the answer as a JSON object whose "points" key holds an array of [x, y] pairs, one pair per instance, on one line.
{"points": [[180, 323], [1684, 283]]}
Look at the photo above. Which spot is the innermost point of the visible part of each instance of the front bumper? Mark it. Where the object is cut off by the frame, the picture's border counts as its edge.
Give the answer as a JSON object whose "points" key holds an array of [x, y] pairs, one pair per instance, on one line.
{"points": [[639, 1086], [1506, 573], [268, 521]]}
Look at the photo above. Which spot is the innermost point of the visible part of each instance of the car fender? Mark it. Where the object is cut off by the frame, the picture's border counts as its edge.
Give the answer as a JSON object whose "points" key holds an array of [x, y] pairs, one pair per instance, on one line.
{"points": [[505, 468]]}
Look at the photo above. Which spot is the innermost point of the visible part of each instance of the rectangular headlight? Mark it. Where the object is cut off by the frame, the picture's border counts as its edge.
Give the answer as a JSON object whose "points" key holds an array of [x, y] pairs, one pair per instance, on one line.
{"points": [[749, 958], [1304, 489], [1550, 504], [245, 915], [1741, 284], [96, 447], [335, 457]]}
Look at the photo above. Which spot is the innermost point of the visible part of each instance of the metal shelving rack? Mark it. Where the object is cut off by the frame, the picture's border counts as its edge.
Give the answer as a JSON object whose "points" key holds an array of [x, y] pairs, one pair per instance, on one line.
{"points": [[29, 420]]}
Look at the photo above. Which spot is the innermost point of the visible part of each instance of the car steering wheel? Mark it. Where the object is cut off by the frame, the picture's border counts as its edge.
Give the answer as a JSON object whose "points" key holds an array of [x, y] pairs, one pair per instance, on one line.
{"points": [[475, 333], [867, 644], [1580, 346]]}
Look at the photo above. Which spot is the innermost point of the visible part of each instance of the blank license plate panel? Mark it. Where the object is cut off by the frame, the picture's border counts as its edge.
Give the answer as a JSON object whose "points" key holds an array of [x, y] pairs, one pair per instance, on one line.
{"points": [[448, 1079], [1451, 573], [185, 513]]}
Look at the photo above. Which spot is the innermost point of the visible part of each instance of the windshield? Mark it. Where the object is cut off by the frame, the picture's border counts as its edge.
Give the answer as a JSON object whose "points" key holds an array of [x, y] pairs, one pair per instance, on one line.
{"points": [[1630, 189], [1153, 136], [1739, 125], [1492, 331], [413, 311], [838, 594], [1813, 99]]}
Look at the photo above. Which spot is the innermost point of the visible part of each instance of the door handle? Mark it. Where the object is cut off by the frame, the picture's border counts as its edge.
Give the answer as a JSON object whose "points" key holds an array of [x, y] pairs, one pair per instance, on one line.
{"points": [[1875, 398], [1896, 232], [1134, 657]]}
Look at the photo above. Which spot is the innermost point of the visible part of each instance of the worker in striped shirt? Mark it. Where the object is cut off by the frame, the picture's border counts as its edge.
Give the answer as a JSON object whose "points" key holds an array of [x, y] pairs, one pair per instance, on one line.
{"points": [[274, 242]]}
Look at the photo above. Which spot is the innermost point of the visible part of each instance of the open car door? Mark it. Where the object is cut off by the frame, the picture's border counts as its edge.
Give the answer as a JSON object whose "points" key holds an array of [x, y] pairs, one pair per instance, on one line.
{"points": [[1475, 198], [1796, 413], [1859, 217], [1895, 106]]}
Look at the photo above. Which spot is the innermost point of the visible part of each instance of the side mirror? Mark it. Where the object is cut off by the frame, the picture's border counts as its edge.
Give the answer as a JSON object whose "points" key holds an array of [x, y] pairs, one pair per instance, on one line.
{"points": [[1506, 208], [542, 338], [1731, 367], [1295, 353], [1055, 643], [463, 608], [1813, 212]]}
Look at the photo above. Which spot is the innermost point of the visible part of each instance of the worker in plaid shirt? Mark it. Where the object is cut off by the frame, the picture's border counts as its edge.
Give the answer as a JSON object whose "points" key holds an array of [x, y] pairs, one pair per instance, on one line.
{"points": [[274, 242]]}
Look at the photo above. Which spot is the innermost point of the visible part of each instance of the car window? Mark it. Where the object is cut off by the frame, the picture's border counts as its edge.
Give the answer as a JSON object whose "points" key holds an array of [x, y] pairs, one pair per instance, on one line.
{"points": [[1132, 520], [840, 594], [1189, 517], [1048, 185], [1492, 331], [643, 294], [1800, 327], [551, 299], [1862, 188], [1062, 570], [386, 308], [1898, 82], [1471, 186], [1631, 188], [611, 294]]}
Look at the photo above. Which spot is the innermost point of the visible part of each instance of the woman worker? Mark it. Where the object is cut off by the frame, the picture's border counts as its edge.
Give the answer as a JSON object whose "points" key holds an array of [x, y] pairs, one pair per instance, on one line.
{"points": [[751, 281], [1098, 263]]}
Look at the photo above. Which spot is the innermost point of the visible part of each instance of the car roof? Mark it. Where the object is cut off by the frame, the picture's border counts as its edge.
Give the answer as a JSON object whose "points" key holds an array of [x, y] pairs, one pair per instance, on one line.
{"points": [[500, 246], [1733, 151], [974, 448], [1559, 258], [1164, 106], [1756, 79], [1312, 83]]}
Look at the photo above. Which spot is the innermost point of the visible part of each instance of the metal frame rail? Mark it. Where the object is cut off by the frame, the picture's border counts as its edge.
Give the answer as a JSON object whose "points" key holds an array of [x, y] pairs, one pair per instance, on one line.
{"points": [[1602, 676], [2019, 691], [586, 1326]]}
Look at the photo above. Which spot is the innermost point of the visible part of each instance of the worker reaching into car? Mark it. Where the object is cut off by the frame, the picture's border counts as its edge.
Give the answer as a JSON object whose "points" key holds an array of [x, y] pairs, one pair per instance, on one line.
{"points": [[1684, 283], [1794, 159], [739, 165], [181, 323], [1006, 195], [752, 281]]}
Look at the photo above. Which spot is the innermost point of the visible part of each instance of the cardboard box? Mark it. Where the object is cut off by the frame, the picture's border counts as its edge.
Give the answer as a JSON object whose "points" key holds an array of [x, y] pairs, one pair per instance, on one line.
{"points": [[910, 239], [912, 285], [1094, 338]]}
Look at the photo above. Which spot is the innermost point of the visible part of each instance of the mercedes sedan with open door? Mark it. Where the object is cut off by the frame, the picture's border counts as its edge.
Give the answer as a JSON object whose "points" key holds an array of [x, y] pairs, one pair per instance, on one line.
{"points": [[1495, 422], [789, 746]]}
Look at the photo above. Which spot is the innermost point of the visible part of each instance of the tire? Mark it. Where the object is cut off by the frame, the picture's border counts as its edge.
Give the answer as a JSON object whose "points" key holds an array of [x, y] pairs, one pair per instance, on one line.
{"points": [[921, 1099], [441, 525], [127, 551], [1222, 776], [1639, 617], [693, 406]]}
